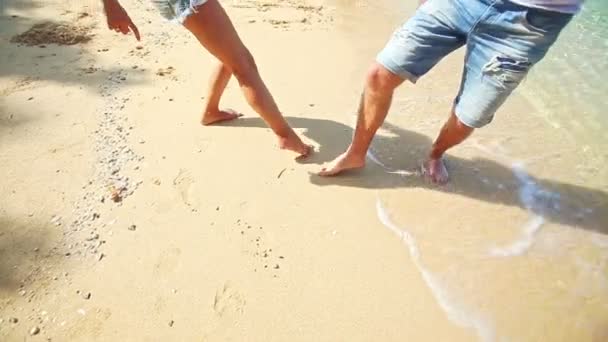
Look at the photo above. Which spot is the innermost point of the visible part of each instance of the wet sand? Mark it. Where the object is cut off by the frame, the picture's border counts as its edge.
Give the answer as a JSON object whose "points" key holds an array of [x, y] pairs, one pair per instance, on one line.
{"points": [[124, 219]]}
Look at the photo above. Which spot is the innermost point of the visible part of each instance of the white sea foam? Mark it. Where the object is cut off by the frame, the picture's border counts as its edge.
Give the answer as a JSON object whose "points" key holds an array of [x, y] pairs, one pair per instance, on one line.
{"points": [[523, 243], [535, 199], [457, 312]]}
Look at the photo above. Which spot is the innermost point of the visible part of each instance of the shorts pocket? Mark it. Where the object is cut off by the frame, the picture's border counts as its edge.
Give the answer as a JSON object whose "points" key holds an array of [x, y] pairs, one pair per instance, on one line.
{"points": [[546, 21]]}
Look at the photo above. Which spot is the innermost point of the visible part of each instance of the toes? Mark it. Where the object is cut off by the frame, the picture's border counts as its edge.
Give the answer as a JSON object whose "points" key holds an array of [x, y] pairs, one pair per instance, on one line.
{"points": [[325, 172], [232, 113], [226, 115], [329, 171]]}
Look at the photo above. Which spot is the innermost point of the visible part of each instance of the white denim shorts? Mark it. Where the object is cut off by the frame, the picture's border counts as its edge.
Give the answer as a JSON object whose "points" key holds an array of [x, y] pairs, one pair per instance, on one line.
{"points": [[177, 10]]}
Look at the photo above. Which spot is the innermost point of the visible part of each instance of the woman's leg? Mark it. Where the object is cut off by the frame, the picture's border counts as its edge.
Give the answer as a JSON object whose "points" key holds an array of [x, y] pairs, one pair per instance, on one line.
{"points": [[212, 27], [218, 82]]}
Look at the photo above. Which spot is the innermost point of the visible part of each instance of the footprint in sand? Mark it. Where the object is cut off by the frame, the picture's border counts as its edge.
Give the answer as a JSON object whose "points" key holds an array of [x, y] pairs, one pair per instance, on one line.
{"points": [[228, 301], [183, 183], [167, 261]]}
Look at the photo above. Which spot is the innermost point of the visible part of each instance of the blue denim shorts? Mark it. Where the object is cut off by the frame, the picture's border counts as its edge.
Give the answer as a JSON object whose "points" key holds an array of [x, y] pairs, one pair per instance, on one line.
{"points": [[503, 41], [177, 10]]}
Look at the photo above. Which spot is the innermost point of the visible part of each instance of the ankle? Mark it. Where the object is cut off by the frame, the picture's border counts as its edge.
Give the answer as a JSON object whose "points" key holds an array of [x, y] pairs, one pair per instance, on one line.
{"points": [[211, 108], [356, 153], [435, 155], [283, 131]]}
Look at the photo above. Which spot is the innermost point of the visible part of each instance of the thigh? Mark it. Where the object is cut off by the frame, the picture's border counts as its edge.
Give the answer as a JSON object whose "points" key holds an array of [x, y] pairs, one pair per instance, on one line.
{"points": [[434, 31], [212, 27], [500, 53]]}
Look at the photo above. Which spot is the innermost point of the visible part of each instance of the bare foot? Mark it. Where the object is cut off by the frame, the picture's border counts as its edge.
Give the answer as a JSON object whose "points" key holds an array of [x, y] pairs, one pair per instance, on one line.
{"points": [[211, 117], [293, 143], [346, 161], [435, 170]]}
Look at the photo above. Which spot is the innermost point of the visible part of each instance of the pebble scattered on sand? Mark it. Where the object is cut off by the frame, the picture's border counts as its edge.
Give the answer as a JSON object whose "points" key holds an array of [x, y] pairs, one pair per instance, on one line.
{"points": [[132, 227], [171, 322], [34, 331], [13, 320], [56, 220], [86, 295]]}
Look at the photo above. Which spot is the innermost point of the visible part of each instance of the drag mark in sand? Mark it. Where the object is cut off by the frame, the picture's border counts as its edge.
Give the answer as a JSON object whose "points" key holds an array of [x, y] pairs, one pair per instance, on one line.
{"points": [[456, 312], [371, 156]]}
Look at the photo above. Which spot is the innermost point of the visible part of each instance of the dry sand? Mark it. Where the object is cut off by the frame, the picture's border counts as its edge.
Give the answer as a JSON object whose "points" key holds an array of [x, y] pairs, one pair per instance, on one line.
{"points": [[123, 219]]}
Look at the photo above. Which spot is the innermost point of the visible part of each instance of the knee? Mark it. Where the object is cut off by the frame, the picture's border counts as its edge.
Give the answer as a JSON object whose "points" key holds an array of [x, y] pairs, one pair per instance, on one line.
{"points": [[244, 67], [379, 79]]}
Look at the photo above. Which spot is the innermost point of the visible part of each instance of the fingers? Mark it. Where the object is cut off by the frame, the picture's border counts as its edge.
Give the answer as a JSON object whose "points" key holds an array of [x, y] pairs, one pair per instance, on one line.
{"points": [[135, 30], [124, 29], [125, 26]]}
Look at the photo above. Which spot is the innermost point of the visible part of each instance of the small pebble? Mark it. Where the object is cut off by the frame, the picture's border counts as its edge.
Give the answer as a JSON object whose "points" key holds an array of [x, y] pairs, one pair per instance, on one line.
{"points": [[276, 267], [132, 227], [94, 237], [171, 322], [34, 331], [22, 293], [13, 320], [86, 295]]}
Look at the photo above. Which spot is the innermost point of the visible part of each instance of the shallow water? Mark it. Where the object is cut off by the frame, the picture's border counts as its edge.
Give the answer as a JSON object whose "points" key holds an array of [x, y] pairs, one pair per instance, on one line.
{"points": [[520, 237]]}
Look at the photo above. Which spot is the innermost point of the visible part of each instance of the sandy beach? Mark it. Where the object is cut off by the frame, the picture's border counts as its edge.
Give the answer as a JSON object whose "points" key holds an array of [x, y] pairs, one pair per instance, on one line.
{"points": [[124, 219]]}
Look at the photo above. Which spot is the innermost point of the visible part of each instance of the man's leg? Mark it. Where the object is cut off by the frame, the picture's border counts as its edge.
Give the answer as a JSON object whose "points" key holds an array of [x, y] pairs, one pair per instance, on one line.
{"points": [[411, 52], [494, 68], [217, 84], [452, 133], [214, 30], [373, 108]]}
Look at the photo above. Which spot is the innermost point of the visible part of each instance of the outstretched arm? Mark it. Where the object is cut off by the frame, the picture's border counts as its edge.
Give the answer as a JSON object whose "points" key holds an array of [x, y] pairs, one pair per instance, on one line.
{"points": [[118, 18]]}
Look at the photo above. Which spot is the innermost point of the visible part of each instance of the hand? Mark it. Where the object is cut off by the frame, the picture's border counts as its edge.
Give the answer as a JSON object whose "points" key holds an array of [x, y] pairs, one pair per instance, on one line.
{"points": [[118, 19]]}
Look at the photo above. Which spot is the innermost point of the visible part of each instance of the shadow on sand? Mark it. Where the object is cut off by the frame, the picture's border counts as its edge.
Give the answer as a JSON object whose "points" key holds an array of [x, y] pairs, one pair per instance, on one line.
{"points": [[479, 178]]}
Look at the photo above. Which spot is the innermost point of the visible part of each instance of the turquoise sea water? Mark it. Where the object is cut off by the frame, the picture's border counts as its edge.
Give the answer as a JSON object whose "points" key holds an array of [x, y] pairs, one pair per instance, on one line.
{"points": [[569, 86]]}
